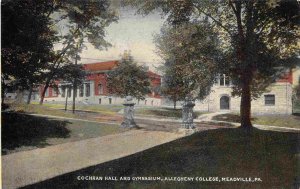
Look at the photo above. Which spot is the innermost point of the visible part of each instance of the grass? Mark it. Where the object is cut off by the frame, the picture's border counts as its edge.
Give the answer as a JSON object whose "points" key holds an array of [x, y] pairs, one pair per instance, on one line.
{"points": [[292, 121], [104, 109], [37, 109], [24, 132], [99, 113], [162, 112], [271, 156]]}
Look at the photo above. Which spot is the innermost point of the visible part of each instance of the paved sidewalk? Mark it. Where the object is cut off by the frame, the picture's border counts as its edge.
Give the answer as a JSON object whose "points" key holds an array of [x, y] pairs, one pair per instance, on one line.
{"points": [[208, 118], [28, 167], [201, 119]]}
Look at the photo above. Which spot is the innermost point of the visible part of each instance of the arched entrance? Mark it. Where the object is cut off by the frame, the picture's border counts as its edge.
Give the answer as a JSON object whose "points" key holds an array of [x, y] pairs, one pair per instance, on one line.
{"points": [[224, 103]]}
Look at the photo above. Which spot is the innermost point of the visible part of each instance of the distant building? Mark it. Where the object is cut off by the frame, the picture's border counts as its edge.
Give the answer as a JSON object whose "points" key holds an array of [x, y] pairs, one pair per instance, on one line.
{"points": [[277, 99], [94, 88]]}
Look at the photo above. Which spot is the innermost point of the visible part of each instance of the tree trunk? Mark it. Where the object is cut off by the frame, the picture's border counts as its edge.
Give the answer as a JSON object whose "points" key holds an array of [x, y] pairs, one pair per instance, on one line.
{"points": [[174, 102], [29, 95], [75, 83], [44, 92], [66, 103], [74, 95], [245, 108]]}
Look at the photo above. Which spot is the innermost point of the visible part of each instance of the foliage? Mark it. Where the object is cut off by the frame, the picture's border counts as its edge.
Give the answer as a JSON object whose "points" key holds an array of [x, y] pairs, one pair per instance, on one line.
{"points": [[68, 72], [191, 55], [172, 86], [128, 78], [28, 42]]}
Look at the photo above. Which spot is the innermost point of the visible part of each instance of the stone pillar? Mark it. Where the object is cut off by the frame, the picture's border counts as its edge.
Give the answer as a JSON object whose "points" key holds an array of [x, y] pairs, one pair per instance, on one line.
{"points": [[187, 113], [128, 113]]}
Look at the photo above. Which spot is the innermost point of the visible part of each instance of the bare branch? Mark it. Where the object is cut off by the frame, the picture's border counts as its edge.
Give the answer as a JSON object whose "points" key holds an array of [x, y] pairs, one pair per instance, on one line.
{"points": [[215, 20]]}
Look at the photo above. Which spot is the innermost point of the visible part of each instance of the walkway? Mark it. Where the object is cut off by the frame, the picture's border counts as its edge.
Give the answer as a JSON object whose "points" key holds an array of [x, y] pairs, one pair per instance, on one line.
{"points": [[28, 167], [209, 118]]}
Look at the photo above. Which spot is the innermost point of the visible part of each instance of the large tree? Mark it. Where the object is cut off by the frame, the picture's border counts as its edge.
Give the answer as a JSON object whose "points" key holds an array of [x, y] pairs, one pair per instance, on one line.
{"points": [[172, 85], [128, 79], [191, 54], [27, 42], [257, 37]]}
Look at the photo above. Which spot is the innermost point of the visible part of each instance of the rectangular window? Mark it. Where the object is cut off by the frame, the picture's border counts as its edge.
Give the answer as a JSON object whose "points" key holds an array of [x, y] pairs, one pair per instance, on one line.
{"points": [[217, 79], [81, 91], [63, 91], [54, 91], [100, 89], [269, 100], [222, 80], [69, 92], [47, 92], [110, 100], [87, 90], [74, 92], [99, 100], [227, 81]]}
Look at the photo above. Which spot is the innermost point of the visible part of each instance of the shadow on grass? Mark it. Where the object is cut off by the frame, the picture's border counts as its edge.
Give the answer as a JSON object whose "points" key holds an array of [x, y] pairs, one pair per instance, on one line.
{"points": [[165, 112], [229, 118], [296, 114], [216, 124], [26, 130], [268, 155]]}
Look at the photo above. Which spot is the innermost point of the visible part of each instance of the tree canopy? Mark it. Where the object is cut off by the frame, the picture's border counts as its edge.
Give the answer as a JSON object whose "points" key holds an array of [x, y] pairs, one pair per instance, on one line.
{"points": [[191, 54], [128, 79], [27, 41]]}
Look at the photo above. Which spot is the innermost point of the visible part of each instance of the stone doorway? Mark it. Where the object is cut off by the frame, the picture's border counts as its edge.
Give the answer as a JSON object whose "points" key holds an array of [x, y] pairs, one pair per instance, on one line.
{"points": [[224, 103]]}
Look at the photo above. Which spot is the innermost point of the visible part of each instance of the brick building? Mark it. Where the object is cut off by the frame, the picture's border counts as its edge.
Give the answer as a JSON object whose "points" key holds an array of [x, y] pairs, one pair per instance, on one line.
{"points": [[94, 88]]}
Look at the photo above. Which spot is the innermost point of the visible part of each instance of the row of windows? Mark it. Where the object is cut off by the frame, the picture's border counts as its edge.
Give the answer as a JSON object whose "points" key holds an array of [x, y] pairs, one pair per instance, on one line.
{"points": [[81, 90], [110, 101], [225, 101], [65, 89], [222, 80], [87, 91]]}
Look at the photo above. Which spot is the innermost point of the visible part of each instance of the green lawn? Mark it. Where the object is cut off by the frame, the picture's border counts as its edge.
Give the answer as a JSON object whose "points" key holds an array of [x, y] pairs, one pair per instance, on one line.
{"points": [[270, 156], [292, 121], [24, 132], [161, 112], [104, 109]]}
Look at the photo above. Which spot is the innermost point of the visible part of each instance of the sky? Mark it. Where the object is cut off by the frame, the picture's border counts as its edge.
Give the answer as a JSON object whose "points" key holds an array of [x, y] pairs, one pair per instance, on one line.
{"points": [[132, 32]]}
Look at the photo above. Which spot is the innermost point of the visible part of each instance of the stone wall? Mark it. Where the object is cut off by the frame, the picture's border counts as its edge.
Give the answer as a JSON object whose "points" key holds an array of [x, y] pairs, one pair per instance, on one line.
{"points": [[283, 100]]}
